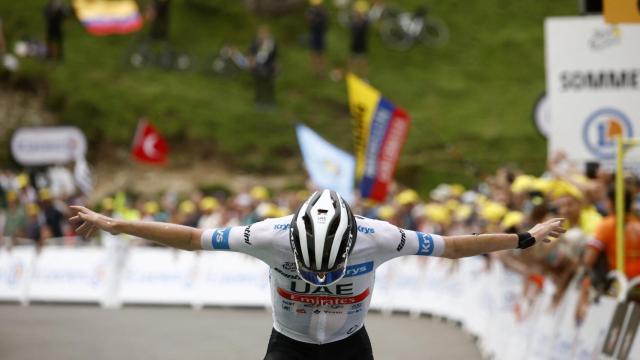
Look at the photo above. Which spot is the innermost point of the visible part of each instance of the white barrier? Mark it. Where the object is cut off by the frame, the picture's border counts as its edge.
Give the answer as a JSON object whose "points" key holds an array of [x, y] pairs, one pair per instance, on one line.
{"points": [[69, 274], [487, 300]]}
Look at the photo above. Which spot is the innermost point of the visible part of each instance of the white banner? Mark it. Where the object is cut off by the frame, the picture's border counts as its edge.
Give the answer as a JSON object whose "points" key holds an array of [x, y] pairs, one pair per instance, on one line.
{"points": [[67, 274], [158, 276], [232, 279], [48, 145], [15, 267], [593, 84]]}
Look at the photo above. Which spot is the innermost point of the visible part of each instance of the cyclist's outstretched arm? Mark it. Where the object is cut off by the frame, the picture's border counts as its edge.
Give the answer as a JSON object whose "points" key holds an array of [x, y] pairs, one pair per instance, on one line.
{"points": [[87, 222], [470, 245]]}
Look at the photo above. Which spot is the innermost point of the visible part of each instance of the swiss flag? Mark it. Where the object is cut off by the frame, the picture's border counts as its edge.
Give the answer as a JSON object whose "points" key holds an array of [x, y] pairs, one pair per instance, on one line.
{"points": [[148, 146]]}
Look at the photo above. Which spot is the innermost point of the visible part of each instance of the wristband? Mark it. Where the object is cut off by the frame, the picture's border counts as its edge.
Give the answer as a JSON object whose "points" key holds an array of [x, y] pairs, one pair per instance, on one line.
{"points": [[525, 240]]}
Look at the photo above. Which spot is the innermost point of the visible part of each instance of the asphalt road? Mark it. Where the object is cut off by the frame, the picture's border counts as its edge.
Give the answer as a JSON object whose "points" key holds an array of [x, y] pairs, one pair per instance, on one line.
{"points": [[87, 332]]}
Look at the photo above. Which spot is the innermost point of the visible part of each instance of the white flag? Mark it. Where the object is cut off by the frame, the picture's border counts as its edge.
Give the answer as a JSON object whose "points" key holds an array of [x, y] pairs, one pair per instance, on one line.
{"points": [[82, 174]]}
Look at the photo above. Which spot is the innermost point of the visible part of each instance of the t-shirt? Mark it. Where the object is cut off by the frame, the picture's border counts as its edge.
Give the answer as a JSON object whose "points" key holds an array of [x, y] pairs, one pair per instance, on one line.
{"points": [[321, 314], [605, 240]]}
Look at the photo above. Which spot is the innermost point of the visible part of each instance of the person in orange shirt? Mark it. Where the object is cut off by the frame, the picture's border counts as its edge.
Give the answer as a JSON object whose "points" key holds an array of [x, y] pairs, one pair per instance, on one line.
{"points": [[604, 241]]}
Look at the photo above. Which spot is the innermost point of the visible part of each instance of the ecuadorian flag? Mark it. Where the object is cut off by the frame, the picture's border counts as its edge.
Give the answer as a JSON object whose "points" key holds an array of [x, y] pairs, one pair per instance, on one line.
{"points": [[108, 17], [380, 130]]}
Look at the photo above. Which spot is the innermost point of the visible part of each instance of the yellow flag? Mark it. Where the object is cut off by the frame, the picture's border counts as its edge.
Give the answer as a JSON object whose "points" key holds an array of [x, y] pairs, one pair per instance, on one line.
{"points": [[363, 102]]}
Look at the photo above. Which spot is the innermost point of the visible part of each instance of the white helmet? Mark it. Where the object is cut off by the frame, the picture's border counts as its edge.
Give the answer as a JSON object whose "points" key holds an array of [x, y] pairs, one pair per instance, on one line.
{"points": [[323, 233]]}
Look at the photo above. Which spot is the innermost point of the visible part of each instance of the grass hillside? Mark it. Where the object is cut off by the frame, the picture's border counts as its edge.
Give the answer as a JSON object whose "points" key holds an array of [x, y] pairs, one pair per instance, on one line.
{"points": [[470, 101]]}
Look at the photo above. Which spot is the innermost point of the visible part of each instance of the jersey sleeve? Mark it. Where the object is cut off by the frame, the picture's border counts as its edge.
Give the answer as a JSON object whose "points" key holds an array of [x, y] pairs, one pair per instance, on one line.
{"points": [[256, 240], [393, 242]]}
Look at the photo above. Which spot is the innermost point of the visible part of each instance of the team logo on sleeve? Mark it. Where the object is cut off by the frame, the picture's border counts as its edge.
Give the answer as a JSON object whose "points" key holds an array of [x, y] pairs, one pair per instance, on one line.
{"points": [[366, 230], [247, 235], [403, 240], [220, 239], [425, 244], [359, 269]]}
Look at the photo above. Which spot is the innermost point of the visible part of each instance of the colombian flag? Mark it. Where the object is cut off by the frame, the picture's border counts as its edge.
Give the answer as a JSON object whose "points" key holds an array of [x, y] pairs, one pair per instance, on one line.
{"points": [[107, 17], [380, 130]]}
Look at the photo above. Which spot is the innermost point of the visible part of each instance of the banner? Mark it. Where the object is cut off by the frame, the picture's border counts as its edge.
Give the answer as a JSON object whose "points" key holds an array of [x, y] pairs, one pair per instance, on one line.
{"points": [[380, 130], [48, 145], [621, 11], [593, 84], [107, 17], [67, 274], [328, 166], [231, 279], [15, 268], [158, 276]]}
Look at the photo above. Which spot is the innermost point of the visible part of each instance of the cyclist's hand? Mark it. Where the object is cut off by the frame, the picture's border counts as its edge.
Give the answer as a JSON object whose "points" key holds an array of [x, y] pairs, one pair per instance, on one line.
{"points": [[551, 228], [87, 222]]}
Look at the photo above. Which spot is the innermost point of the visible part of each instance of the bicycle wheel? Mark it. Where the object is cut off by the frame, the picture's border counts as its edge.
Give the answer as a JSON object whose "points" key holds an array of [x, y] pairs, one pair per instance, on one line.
{"points": [[435, 32], [139, 57], [182, 61], [394, 36]]}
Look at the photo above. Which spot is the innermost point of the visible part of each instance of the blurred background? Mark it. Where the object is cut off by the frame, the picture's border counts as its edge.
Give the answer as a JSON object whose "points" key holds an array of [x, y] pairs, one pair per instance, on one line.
{"points": [[448, 117]]}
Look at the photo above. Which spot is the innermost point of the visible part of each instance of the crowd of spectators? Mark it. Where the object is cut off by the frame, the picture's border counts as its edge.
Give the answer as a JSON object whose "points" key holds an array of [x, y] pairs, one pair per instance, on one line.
{"points": [[507, 201]]}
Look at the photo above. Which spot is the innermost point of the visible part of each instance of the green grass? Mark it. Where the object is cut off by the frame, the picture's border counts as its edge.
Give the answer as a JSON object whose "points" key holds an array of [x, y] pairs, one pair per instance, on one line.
{"points": [[470, 101]]}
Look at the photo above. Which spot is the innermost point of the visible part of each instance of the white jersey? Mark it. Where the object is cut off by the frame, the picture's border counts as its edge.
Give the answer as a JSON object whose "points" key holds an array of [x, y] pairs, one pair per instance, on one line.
{"points": [[321, 314]]}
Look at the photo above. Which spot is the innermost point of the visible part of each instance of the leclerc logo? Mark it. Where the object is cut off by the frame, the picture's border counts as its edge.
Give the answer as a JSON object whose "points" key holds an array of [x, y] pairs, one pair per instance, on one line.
{"points": [[425, 244], [601, 130]]}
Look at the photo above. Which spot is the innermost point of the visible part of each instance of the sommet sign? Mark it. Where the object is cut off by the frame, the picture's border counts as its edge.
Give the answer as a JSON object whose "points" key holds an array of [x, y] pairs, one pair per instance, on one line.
{"points": [[48, 145]]}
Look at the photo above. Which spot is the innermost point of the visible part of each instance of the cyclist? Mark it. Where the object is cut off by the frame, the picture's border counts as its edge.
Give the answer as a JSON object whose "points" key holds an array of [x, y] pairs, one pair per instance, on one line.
{"points": [[323, 261]]}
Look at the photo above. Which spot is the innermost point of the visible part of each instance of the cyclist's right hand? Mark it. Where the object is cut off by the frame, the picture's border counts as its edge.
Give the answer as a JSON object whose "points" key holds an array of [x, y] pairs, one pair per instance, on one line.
{"points": [[87, 222]]}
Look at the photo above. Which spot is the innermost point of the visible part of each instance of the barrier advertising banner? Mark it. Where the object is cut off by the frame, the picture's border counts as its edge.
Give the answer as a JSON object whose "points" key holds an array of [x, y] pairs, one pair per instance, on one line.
{"points": [[232, 279], [15, 266], [66, 274], [593, 84], [156, 275]]}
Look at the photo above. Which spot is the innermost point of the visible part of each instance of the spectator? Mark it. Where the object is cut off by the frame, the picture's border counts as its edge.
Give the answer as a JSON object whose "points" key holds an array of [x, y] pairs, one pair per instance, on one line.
{"points": [[262, 61], [15, 219], [358, 62], [54, 14], [317, 18], [604, 245], [3, 42], [54, 218], [211, 217], [33, 225], [158, 14]]}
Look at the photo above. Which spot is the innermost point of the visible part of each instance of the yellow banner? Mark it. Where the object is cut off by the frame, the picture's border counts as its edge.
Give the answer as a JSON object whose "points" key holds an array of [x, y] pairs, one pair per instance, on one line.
{"points": [[621, 11], [363, 102]]}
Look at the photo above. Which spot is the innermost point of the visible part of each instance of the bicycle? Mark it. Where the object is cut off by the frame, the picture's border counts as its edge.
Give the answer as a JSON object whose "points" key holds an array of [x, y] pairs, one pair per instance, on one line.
{"points": [[228, 62], [162, 55], [378, 12], [404, 30]]}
